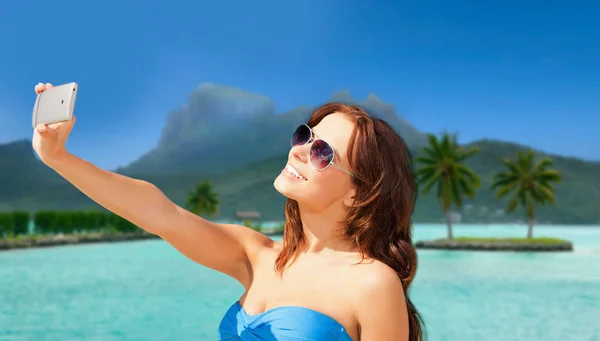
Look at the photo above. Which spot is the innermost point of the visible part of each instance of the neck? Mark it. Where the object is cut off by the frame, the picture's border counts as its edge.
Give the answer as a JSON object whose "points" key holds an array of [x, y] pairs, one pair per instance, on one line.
{"points": [[323, 230]]}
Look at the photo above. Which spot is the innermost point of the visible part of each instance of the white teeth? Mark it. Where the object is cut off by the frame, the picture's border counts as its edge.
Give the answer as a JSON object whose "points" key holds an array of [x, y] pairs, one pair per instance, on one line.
{"points": [[295, 172]]}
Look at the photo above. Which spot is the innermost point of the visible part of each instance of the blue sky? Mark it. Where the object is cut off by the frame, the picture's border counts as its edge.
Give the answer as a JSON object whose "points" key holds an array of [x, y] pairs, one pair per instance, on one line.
{"points": [[527, 72]]}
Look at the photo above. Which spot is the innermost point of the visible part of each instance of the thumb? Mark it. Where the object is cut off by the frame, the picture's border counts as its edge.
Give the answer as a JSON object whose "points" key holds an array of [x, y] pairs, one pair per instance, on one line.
{"points": [[45, 131]]}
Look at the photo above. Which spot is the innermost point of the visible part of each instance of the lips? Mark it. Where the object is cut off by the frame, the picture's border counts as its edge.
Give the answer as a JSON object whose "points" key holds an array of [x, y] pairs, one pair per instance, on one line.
{"points": [[294, 172]]}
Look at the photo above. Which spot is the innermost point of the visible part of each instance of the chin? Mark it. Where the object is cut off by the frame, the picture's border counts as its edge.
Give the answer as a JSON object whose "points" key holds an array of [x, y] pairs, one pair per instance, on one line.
{"points": [[290, 188]]}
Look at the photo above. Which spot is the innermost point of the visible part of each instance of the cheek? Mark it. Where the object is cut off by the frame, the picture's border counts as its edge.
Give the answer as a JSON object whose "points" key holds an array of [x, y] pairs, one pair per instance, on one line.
{"points": [[319, 178], [326, 185]]}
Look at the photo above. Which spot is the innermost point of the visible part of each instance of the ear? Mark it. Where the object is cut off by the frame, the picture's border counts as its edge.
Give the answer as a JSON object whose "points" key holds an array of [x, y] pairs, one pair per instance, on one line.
{"points": [[349, 197]]}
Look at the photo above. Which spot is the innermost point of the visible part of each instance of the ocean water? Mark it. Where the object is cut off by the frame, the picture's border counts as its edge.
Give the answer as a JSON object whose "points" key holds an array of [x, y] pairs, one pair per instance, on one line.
{"points": [[148, 291]]}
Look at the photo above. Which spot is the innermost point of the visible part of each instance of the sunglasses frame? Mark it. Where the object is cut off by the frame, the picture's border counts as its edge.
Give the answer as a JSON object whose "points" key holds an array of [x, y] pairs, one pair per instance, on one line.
{"points": [[312, 138]]}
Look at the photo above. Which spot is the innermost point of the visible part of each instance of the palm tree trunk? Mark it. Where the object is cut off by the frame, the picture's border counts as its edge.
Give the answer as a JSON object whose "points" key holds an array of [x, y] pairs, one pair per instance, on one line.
{"points": [[530, 228], [449, 224]]}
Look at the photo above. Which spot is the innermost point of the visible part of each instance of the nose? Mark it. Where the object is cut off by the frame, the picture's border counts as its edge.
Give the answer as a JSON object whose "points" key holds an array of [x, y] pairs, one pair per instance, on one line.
{"points": [[301, 153]]}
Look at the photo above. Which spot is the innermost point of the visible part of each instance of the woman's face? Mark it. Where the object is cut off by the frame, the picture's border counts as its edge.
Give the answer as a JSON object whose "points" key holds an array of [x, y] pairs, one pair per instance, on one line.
{"points": [[317, 189]]}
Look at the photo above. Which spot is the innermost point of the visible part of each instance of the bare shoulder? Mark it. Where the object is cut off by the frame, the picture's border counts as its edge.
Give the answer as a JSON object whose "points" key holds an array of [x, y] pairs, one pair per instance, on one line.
{"points": [[379, 302], [376, 279]]}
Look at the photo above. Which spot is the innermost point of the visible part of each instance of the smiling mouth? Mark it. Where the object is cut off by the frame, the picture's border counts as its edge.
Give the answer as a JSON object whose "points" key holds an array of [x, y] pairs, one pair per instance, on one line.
{"points": [[294, 172]]}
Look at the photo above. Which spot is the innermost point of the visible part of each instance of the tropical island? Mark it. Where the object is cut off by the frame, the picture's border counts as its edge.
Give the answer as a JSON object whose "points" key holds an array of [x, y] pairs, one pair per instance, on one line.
{"points": [[525, 181], [480, 182]]}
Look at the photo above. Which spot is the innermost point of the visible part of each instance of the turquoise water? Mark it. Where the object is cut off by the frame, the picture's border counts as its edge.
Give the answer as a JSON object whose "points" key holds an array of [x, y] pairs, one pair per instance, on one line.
{"points": [[147, 291]]}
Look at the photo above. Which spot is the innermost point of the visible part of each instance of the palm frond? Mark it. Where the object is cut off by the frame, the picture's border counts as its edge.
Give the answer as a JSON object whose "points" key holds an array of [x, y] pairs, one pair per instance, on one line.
{"points": [[528, 181]]}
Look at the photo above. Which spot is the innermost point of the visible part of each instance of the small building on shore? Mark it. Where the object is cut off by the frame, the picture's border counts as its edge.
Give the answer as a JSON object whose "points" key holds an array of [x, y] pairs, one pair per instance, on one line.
{"points": [[247, 215]]}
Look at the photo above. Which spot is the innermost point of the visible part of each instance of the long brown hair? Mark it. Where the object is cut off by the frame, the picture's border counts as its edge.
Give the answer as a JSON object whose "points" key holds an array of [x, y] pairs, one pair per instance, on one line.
{"points": [[379, 222]]}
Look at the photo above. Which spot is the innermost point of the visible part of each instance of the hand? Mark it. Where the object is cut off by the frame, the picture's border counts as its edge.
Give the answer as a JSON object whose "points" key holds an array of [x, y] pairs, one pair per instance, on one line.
{"points": [[49, 139]]}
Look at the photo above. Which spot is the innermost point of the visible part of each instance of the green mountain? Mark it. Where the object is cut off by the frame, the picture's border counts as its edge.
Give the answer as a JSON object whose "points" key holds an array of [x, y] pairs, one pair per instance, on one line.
{"points": [[236, 140]]}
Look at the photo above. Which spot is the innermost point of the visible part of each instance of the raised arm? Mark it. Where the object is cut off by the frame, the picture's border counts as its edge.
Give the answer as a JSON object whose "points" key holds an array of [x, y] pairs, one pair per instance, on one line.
{"points": [[227, 248], [223, 247]]}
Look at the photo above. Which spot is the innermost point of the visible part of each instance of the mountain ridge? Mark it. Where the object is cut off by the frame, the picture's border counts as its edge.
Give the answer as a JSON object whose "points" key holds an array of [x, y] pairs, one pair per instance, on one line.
{"points": [[243, 124]]}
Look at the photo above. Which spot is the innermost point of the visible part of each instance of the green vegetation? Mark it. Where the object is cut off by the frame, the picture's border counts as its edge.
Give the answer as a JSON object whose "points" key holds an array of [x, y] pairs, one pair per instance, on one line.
{"points": [[529, 183], [52, 228], [14, 224], [443, 167], [45, 223], [203, 200], [498, 244]]}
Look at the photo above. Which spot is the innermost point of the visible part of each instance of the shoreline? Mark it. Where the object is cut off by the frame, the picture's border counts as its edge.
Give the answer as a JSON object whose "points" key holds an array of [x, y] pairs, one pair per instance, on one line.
{"points": [[458, 244], [93, 238], [64, 240]]}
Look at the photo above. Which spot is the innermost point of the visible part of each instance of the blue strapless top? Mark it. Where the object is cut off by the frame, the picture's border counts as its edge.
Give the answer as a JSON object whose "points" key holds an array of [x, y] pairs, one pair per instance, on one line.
{"points": [[288, 323]]}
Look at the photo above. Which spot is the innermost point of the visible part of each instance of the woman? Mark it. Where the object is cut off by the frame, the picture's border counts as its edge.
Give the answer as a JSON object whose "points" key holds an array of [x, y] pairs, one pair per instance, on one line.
{"points": [[346, 261]]}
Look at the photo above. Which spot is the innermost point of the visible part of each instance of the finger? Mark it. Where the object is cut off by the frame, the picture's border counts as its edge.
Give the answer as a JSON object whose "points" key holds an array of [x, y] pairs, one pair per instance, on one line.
{"points": [[39, 88], [41, 128], [54, 126]]}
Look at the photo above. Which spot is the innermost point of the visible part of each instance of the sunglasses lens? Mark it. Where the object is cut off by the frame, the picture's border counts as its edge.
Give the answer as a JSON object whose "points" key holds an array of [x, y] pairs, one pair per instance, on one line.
{"points": [[301, 136], [321, 154]]}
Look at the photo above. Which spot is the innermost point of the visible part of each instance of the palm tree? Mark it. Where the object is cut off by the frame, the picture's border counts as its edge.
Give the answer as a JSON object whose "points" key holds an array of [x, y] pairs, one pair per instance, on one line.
{"points": [[203, 200], [529, 182], [442, 165]]}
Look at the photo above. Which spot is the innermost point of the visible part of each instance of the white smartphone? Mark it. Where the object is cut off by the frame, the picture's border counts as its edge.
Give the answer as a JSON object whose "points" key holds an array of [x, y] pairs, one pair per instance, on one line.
{"points": [[55, 104]]}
